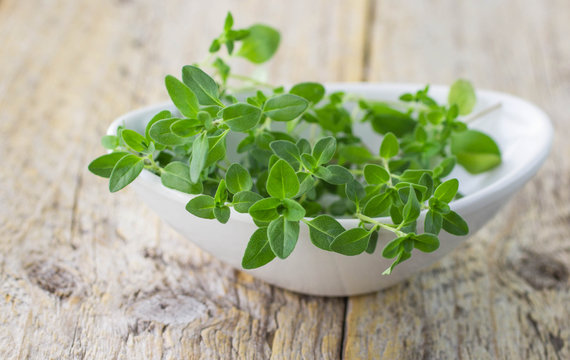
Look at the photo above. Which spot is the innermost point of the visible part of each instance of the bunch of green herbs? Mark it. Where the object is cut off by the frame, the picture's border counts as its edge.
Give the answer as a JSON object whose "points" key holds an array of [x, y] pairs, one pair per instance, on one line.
{"points": [[283, 178]]}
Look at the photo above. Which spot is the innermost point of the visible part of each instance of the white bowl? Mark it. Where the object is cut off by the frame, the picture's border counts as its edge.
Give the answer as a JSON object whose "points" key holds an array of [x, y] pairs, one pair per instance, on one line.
{"points": [[522, 131]]}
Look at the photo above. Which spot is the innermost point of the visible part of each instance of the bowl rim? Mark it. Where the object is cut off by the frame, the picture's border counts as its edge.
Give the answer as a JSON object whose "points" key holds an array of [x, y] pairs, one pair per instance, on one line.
{"points": [[481, 197]]}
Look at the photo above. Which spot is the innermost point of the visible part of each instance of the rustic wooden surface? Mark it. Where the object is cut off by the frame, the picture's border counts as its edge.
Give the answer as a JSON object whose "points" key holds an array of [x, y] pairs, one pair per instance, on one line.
{"points": [[87, 274]]}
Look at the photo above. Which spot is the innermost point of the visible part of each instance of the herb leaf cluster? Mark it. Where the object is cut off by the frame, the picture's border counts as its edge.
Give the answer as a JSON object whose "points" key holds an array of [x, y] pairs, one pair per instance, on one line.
{"points": [[284, 178]]}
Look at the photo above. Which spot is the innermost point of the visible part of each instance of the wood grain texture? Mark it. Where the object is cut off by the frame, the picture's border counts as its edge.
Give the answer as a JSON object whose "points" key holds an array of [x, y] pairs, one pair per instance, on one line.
{"points": [[87, 274]]}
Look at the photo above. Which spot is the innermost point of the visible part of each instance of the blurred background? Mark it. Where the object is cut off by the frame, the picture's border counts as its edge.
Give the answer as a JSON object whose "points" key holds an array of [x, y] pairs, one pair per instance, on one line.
{"points": [[87, 273]]}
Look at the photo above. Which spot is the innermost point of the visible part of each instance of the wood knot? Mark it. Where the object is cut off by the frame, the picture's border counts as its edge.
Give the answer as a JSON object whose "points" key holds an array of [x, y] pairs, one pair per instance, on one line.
{"points": [[52, 278], [167, 308], [541, 271]]}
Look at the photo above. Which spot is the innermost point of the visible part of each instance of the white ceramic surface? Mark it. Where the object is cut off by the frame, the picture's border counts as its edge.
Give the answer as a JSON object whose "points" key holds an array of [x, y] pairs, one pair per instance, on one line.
{"points": [[522, 131]]}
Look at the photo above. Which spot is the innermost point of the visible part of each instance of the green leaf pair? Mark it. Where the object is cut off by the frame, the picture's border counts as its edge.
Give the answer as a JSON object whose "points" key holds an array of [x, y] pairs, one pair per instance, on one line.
{"points": [[121, 168], [440, 216], [401, 247], [328, 234]]}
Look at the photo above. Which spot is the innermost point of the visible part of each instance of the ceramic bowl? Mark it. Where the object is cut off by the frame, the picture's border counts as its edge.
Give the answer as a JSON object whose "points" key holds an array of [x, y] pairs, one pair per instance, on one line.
{"points": [[522, 131]]}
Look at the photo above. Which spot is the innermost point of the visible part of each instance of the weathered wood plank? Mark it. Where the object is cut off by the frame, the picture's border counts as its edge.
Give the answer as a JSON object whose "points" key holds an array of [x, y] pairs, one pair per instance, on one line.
{"points": [[505, 293], [87, 274]]}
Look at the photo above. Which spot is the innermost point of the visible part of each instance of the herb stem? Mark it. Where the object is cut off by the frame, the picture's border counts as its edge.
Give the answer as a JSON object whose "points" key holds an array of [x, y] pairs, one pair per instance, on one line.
{"points": [[251, 80], [380, 225], [387, 167], [482, 113], [153, 165]]}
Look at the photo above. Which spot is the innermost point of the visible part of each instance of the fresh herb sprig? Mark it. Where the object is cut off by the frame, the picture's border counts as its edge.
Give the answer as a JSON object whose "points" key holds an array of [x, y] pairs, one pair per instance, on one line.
{"points": [[283, 178]]}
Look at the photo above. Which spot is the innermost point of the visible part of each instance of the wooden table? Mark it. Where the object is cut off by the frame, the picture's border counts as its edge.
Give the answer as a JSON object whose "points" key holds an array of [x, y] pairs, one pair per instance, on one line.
{"points": [[88, 274]]}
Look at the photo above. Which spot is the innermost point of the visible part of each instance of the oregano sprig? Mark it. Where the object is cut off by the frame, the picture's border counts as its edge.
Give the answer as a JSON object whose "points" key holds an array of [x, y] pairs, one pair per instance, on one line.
{"points": [[284, 177]]}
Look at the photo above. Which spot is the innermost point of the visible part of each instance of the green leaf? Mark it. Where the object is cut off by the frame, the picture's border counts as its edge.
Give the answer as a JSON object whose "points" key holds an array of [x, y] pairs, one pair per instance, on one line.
{"points": [[260, 45], [214, 46], [199, 154], [412, 208], [306, 181], [427, 181], [322, 172], [258, 251], [376, 174], [125, 171], [392, 249], [202, 206], [238, 179], [351, 242], [201, 84], [165, 114], [265, 209], [378, 205], [236, 35], [110, 142], [447, 190], [333, 118], [324, 150], [229, 22], [283, 235], [435, 116], [452, 113], [396, 214], [304, 146], [285, 107], [186, 127], [176, 175], [385, 119], [103, 165], [390, 146], [445, 167], [212, 110], [337, 175], [241, 117], [323, 230], [216, 148], [426, 242], [308, 161], [433, 222], [293, 210], [134, 140], [463, 95], [402, 256], [355, 191], [438, 206], [413, 175], [420, 134], [282, 181], [408, 245], [161, 133], [354, 154], [310, 91], [475, 151], [454, 224], [222, 68], [372, 242], [287, 151], [222, 214], [221, 194], [243, 200], [182, 97]]}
